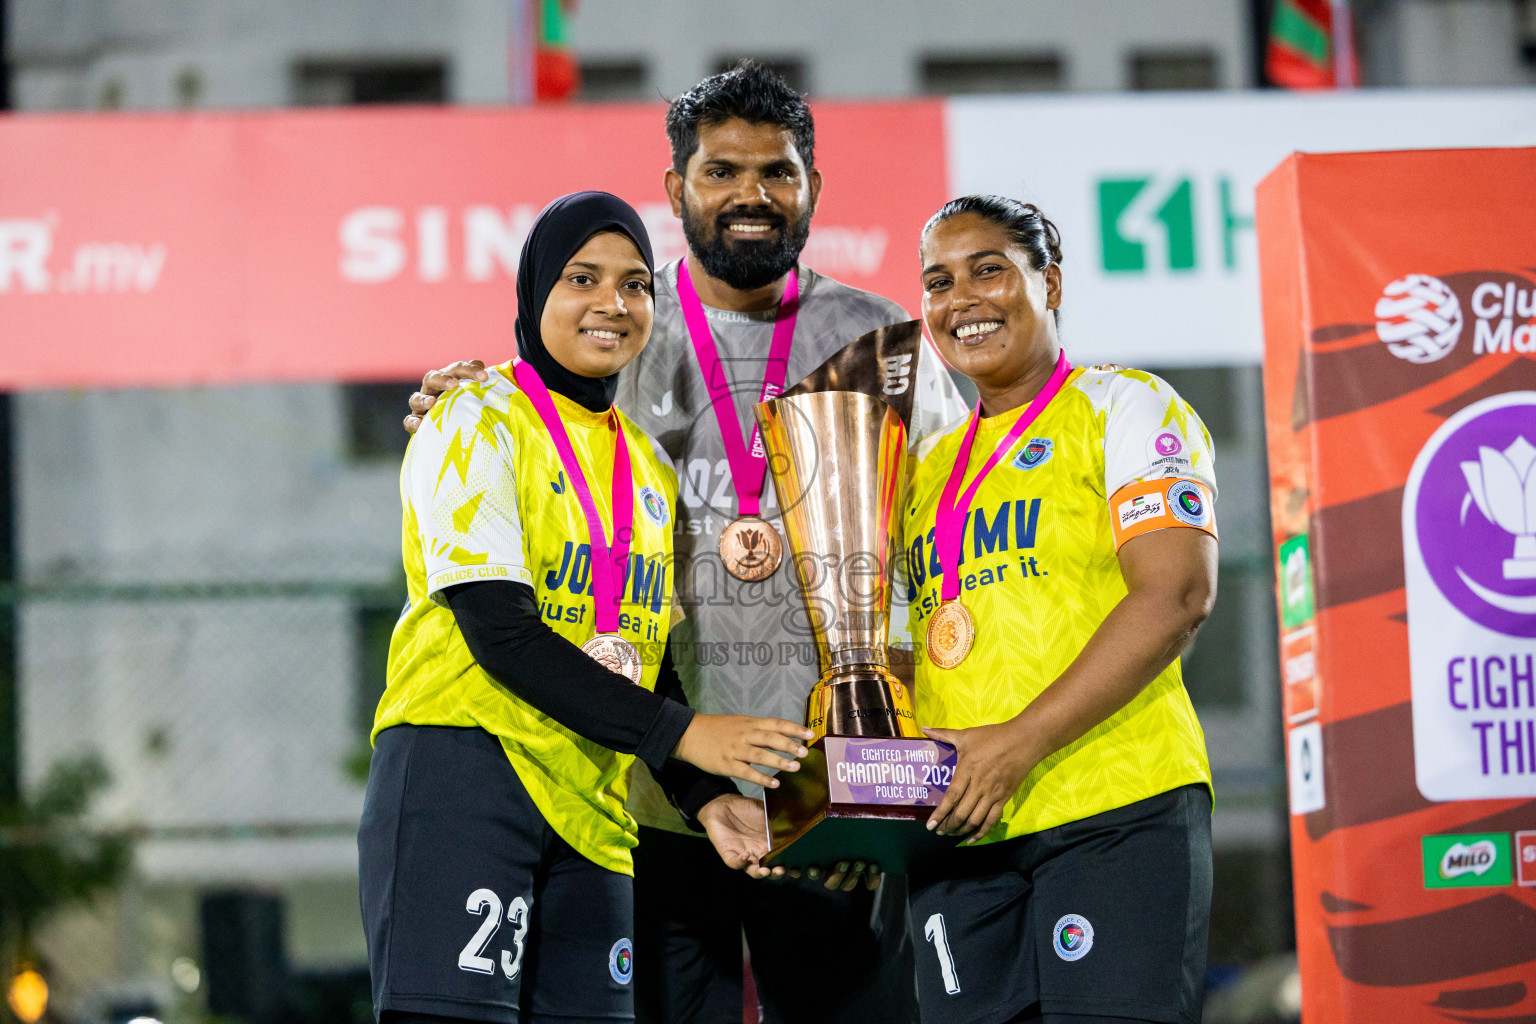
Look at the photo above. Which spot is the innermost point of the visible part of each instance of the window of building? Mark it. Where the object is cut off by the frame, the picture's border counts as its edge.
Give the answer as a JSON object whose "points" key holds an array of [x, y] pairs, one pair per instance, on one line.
{"points": [[373, 413], [111, 94], [340, 83], [957, 74], [189, 87], [792, 69], [1181, 69], [1527, 17], [1527, 35], [613, 81]]}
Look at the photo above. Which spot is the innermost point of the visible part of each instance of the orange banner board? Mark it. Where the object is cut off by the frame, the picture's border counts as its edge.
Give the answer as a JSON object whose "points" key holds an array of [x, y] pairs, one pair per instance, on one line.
{"points": [[362, 244], [1400, 381]]}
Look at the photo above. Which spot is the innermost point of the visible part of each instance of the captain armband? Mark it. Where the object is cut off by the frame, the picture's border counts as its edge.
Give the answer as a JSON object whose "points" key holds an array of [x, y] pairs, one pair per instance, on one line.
{"points": [[1148, 505]]}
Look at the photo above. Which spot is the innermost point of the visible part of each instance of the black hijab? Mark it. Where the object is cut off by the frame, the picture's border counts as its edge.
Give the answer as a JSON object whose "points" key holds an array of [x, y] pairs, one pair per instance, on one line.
{"points": [[558, 233]]}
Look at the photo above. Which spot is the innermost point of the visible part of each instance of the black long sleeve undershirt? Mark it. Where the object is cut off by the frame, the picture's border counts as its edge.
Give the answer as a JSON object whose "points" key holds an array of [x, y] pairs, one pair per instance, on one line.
{"points": [[502, 628]]}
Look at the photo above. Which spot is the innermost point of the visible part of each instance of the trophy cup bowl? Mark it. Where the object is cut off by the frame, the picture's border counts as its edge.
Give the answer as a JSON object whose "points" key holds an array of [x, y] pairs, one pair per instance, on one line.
{"points": [[839, 467]]}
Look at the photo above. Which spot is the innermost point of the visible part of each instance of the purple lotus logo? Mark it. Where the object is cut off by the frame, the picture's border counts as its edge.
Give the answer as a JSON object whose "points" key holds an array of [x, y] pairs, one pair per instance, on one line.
{"points": [[1504, 488], [1168, 444], [1474, 512]]}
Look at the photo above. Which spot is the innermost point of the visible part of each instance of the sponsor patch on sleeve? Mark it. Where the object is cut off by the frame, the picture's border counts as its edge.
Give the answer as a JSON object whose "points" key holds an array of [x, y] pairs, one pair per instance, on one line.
{"points": [[1148, 505]]}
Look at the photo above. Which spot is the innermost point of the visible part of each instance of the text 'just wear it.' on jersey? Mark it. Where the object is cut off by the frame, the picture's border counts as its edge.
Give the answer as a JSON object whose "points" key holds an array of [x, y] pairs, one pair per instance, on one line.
{"points": [[744, 648], [486, 498], [1038, 572]]}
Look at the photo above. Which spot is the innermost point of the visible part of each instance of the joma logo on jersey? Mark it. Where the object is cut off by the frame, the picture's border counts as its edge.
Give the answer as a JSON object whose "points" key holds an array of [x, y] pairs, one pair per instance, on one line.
{"points": [[646, 578]]}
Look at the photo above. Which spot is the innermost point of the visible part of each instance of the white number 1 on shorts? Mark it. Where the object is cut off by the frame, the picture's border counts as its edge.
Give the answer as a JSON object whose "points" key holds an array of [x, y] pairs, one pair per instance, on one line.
{"points": [[934, 929]]}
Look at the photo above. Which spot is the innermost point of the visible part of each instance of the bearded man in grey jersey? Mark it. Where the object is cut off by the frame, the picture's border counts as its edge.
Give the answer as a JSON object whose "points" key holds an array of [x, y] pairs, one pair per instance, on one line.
{"points": [[744, 183]]}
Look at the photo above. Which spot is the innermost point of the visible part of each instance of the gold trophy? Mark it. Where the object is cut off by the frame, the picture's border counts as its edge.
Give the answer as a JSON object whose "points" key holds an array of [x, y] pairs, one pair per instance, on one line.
{"points": [[839, 466]]}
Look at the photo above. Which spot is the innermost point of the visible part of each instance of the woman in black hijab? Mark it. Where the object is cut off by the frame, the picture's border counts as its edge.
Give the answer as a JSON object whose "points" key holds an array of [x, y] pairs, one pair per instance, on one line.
{"points": [[494, 846]]}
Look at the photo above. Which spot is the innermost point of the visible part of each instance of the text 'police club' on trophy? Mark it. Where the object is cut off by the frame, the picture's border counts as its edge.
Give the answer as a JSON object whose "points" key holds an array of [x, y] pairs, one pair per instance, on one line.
{"points": [[839, 462]]}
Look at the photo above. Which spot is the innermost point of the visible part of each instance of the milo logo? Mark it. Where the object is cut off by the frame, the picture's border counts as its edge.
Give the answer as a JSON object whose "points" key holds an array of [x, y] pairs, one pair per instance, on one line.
{"points": [[1453, 862], [1461, 859]]}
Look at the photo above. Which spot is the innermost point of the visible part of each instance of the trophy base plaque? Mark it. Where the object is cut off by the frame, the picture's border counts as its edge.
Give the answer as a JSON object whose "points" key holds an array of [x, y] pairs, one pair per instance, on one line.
{"points": [[860, 798]]}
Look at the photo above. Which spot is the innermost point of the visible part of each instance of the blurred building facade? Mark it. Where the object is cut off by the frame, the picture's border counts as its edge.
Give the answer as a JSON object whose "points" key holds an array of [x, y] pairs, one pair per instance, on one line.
{"points": [[165, 54], [210, 614]]}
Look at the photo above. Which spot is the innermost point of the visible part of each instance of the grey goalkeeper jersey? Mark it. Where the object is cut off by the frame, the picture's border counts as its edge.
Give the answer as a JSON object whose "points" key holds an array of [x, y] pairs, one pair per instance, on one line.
{"points": [[743, 647]]}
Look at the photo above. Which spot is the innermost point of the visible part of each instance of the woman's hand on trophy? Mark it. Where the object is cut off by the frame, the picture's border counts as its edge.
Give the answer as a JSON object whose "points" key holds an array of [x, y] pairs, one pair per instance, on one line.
{"points": [[736, 828], [435, 382], [993, 761], [735, 744]]}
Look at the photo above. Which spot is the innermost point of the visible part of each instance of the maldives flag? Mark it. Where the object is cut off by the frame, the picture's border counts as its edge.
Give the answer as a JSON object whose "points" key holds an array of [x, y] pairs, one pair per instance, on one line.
{"points": [[1311, 45], [556, 76]]}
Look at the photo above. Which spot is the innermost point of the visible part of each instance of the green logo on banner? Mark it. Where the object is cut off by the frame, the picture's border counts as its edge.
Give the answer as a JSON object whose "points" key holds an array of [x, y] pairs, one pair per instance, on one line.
{"points": [[1295, 582], [1456, 862], [1158, 214]]}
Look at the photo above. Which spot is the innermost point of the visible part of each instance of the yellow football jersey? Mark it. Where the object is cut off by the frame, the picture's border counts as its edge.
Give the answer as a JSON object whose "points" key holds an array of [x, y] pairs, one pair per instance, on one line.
{"points": [[1038, 573], [486, 497]]}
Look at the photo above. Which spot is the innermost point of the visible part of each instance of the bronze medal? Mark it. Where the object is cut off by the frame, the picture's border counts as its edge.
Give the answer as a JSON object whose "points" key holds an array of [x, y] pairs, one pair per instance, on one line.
{"points": [[615, 654], [950, 633], [751, 549]]}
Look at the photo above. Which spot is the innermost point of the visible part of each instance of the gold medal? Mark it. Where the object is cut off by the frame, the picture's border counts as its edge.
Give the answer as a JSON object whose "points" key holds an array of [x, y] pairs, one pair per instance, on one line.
{"points": [[751, 549], [615, 654], [950, 633]]}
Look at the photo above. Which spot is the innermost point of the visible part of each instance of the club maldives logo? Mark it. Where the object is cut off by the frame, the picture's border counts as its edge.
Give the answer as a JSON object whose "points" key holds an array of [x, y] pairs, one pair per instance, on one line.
{"points": [[1036, 452], [1471, 502], [621, 961], [1188, 505], [655, 507], [1418, 318], [1072, 937]]}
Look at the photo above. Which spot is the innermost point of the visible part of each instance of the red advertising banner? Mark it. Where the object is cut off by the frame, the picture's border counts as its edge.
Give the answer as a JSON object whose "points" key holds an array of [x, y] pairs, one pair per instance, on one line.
{"points": [[1400, 382], [363, 243]]}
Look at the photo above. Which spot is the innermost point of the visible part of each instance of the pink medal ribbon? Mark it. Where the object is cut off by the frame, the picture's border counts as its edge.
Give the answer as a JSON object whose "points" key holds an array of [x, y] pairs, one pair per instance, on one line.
{"points": [[607, 587], [748, 464], [951, 514]]}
